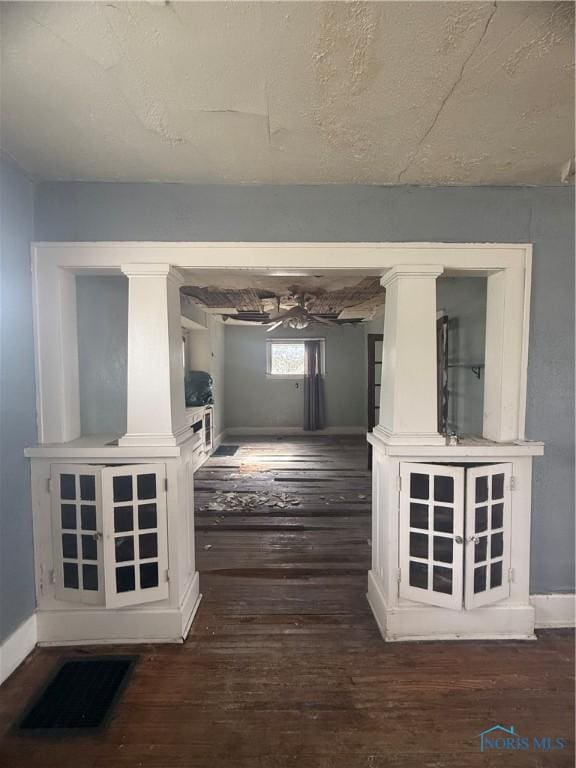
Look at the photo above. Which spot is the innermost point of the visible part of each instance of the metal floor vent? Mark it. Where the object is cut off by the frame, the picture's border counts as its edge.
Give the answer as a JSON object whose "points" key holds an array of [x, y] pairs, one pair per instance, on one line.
{"points": [[82, 694], [226, 450]]}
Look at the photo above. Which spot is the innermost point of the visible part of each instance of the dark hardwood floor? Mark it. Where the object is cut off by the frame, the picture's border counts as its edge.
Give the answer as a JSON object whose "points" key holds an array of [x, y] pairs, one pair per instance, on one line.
{"points": [[284, 666]]}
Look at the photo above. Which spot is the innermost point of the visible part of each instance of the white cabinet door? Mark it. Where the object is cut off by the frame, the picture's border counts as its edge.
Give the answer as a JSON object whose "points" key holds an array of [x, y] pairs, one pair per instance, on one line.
{"points": [[488, 523], [432, 534], [77, 533], [135, 534]]}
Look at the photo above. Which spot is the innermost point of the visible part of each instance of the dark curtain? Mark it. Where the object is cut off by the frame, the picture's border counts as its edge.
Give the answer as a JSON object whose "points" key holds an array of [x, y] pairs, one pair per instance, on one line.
{"points": [[313, 393]]}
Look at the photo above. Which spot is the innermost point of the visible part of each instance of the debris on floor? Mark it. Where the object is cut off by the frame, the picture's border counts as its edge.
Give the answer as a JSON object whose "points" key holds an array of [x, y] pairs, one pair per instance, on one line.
{"points": [[230, 501]]}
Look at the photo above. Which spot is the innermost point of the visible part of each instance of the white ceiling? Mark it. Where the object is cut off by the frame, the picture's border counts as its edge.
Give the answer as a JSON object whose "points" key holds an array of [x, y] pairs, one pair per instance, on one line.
{"points": [[301, 92]]}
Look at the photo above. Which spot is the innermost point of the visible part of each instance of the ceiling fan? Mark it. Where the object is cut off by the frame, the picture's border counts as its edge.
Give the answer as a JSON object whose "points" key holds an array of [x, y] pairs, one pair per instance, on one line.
{"points": [[297, 318]]}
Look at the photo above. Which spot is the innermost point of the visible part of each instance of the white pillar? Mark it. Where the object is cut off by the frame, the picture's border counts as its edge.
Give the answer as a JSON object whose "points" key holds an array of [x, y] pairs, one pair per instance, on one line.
{"points": [[408, 404], [155, 401]]}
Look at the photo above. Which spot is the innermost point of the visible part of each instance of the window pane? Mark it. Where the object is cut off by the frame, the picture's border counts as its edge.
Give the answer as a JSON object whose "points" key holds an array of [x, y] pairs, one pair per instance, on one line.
{"points": [[88, 487], [443, 549], [125, 579], [481, 549], [443, 519], [147, 486], [480, 579], [147, 516], [68, 512], [122, 488], [123, 519], [69, 545], [481, 519], [88, 517], [70, 576], [496, 574], [67, 486], [90, 577], [418, 575], [444, 489], [442, 580], [418, 515], [124, 548], [497, 545], [419, 485], [481, 489], [287, 359], [89, 548], [497, 515], [418, 545], [148, 575], [498, 487], [148, 545]]}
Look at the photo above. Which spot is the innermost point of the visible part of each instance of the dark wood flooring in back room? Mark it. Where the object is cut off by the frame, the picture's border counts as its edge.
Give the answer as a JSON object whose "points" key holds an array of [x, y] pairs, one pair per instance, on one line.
{"points": [[284, 666]]}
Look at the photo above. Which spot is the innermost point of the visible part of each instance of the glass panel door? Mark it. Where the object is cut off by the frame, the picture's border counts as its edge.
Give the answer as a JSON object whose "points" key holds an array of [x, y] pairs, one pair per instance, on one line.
{"points": [[77, 533], [432, 534], [488, 517], [135, 534]]}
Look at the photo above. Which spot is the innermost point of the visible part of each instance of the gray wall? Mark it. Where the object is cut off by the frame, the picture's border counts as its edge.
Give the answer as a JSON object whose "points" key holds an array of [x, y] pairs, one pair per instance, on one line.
{"points": [[543, 216], [253, 400], [464, 301], [102, 306], [17, 400]]}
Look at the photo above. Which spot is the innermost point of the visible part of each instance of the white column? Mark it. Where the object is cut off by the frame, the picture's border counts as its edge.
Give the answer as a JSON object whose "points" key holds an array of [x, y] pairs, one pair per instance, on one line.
{"points": [[155, 401], [408, 404]]}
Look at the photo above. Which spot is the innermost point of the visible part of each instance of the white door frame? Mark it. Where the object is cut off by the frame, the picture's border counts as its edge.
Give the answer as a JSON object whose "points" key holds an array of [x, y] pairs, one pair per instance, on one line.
{"points": [[55, 266]]}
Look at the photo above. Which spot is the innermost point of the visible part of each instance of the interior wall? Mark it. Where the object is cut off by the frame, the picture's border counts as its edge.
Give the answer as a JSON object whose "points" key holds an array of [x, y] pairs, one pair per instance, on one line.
{"points": [[17, 399], [254, 400], [463, 299], [102, 307], [339, 213]]}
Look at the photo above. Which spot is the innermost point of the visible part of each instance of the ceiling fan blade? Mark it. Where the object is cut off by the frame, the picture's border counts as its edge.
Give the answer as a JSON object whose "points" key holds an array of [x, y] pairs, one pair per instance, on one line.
{"points": [[323, 320], [274, 325]]}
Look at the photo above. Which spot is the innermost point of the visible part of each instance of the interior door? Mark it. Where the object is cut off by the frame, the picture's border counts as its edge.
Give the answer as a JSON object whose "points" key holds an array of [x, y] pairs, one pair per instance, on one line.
{"points": [[135, 534], [77, 533], [488, 522], [431, 534]]}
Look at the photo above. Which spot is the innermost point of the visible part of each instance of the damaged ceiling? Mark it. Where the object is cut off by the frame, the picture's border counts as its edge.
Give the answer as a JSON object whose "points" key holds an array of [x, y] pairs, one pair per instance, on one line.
{"points": [[288, 93], [345, 299]]}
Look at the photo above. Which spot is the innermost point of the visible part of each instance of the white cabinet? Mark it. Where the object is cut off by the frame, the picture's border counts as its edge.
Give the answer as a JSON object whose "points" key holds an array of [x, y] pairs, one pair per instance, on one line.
{"points": [[451, 540], [114, 541], [109, 532], [454, 534]]}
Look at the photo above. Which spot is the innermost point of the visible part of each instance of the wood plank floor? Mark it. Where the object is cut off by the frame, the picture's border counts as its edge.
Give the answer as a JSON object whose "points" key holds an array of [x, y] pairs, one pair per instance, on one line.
{"points": [[284, 666]]}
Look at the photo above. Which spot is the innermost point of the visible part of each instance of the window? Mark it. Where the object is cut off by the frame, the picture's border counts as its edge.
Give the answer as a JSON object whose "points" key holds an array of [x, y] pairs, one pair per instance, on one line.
{"points": [[285, 358]]}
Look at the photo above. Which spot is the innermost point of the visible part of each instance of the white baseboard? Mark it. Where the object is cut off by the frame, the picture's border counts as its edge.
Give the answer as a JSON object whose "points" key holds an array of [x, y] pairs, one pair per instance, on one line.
{"points": [[280, 431], [17, 646], [554, 610]]}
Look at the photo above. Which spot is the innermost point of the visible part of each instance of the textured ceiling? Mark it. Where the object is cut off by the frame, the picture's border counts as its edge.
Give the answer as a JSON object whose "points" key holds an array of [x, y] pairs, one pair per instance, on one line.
{"points": [[303, 92], [344, 299]]}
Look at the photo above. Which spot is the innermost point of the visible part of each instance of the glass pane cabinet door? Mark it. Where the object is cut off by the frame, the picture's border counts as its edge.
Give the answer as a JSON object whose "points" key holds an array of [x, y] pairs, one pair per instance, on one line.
{"points": [[135, 534], [488, 518], [77, 533], [432, 534]]}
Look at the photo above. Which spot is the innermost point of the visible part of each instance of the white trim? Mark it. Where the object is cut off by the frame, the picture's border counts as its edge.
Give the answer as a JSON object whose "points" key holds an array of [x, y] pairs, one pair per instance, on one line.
{"points": [[140, 624], [54, 263], [232, 431], [554, 610], [17, 646]]}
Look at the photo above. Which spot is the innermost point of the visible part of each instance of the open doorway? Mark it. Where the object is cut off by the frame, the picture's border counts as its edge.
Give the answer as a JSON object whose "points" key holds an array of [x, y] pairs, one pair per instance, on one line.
{"points": [[283, 502]]}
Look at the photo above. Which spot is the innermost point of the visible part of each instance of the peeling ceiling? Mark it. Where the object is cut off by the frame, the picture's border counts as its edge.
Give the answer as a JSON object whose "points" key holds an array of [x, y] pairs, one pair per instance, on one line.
{"points": [[343, 299], [290, 93]]}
